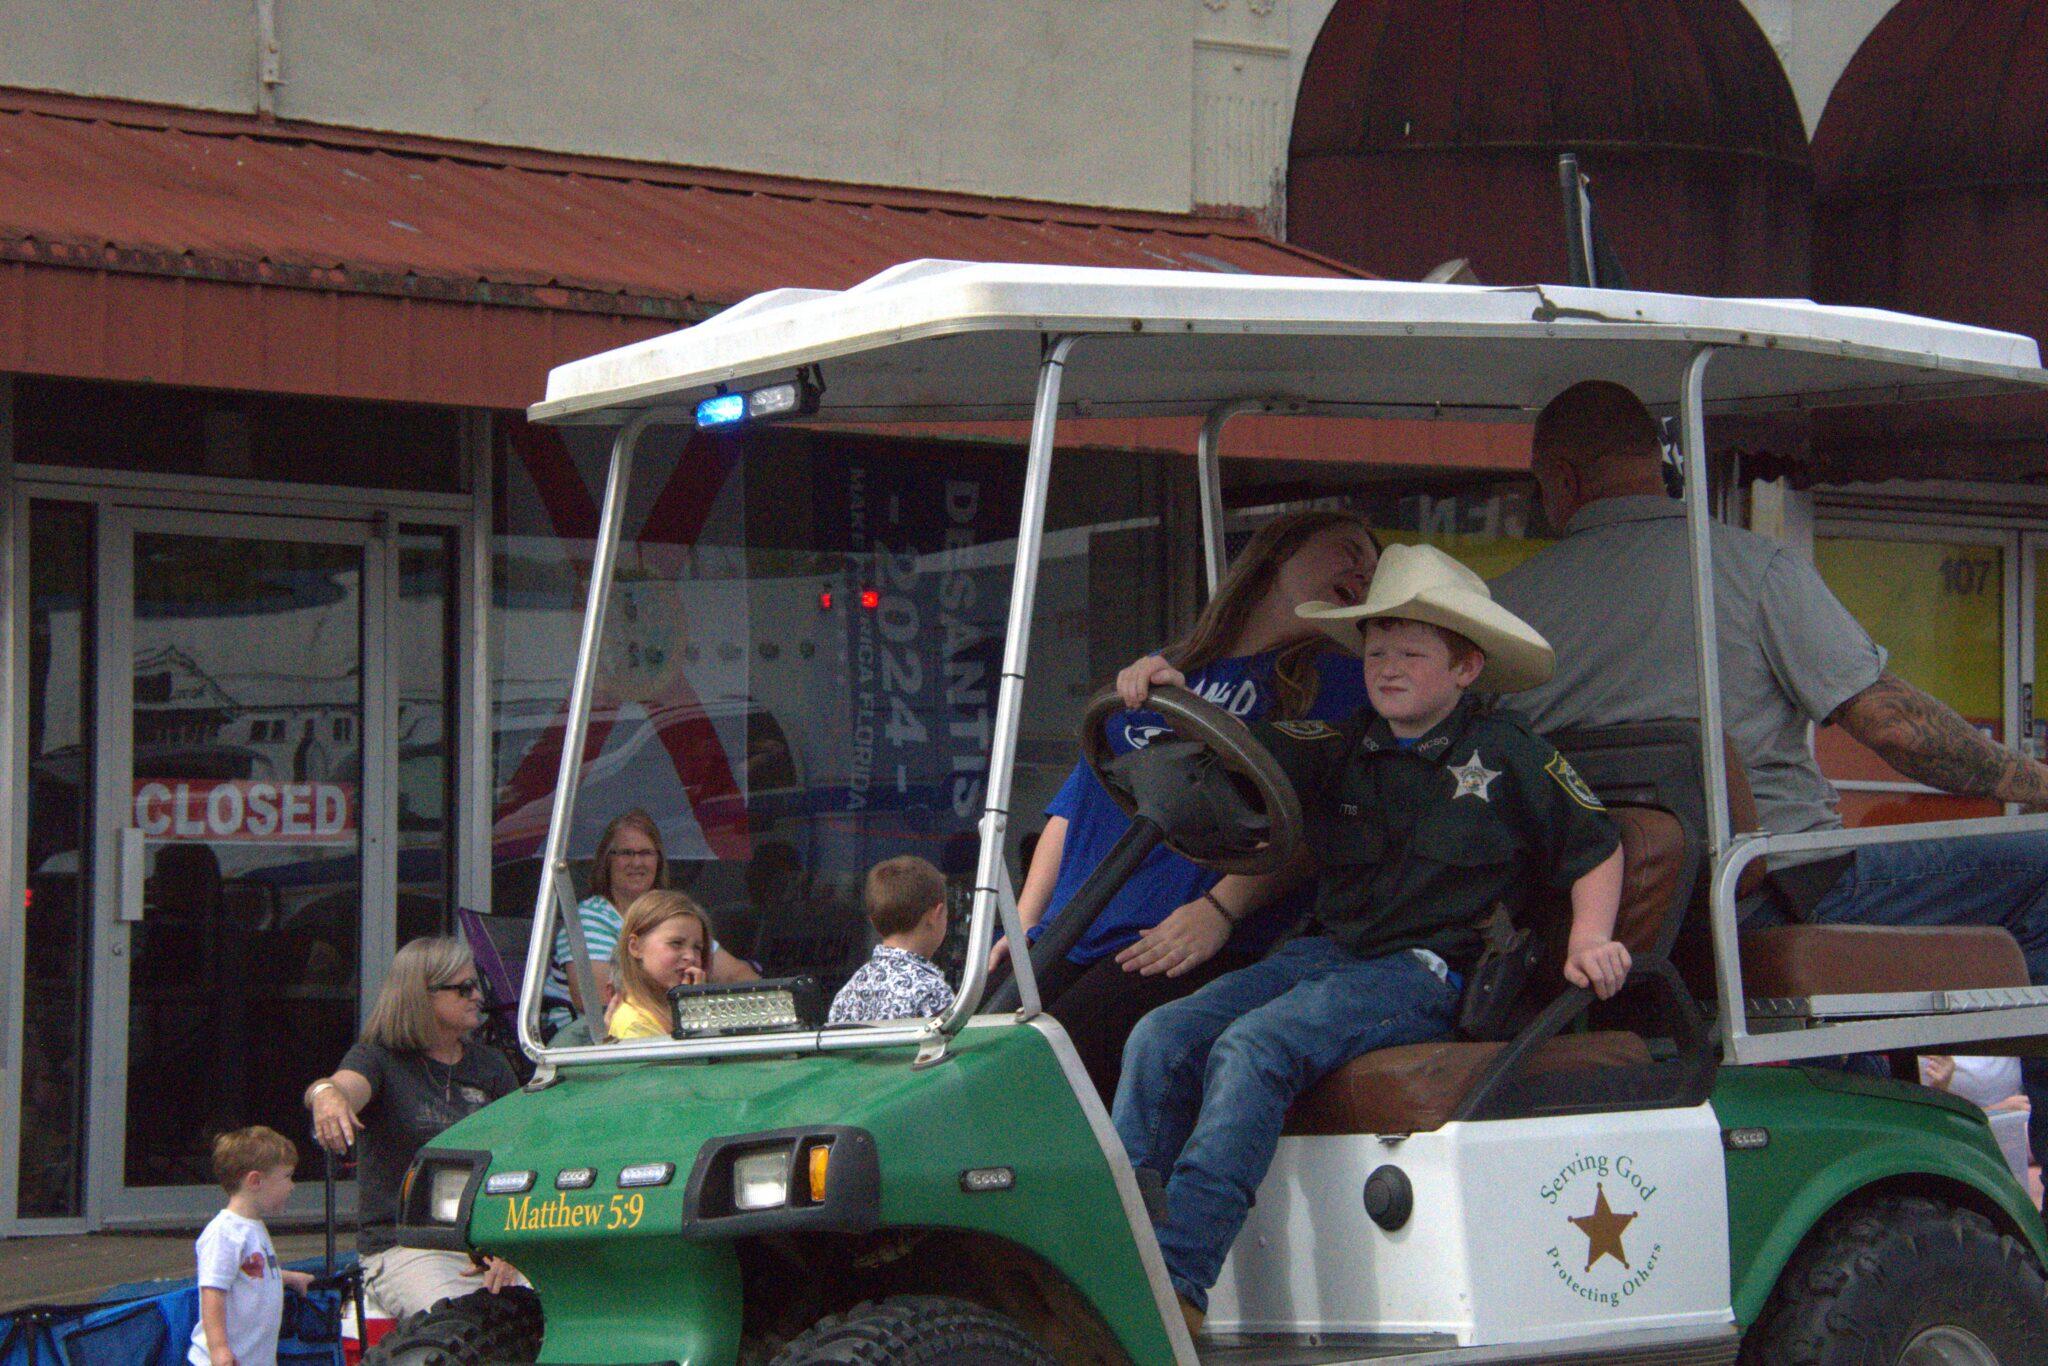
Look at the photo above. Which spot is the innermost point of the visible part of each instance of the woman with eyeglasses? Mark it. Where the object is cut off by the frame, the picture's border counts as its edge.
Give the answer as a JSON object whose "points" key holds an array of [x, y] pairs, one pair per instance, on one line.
{"points": [[629, 861], [415, 1071]]}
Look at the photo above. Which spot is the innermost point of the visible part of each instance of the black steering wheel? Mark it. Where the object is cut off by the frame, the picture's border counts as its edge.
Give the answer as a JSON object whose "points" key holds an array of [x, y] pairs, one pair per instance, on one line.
{"points": [[1221, 799], [1210, 792]]}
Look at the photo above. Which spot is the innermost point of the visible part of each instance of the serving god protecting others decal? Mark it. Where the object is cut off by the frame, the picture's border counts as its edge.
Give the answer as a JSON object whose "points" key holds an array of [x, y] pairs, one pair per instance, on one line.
{"points": [[1597, 1253]]}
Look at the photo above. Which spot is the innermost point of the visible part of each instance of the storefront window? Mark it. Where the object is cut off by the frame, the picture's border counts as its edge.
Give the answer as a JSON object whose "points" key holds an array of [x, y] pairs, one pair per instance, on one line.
{"points": [[800, 668], [287, 439], [1938, 607], [57, 921], [421, 657]]}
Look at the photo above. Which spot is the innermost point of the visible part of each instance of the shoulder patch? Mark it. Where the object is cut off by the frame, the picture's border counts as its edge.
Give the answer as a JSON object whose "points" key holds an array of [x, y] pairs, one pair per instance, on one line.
{"points": [[1568, 778], [1307, 730]]}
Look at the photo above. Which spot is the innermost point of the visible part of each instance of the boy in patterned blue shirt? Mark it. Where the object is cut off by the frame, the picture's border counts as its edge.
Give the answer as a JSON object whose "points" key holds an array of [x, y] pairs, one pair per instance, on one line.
{"points": [[906, 900]]}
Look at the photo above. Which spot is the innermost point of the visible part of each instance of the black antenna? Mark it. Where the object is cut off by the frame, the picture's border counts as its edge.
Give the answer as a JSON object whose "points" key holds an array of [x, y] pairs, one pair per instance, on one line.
{"points": [[1589, 257]]}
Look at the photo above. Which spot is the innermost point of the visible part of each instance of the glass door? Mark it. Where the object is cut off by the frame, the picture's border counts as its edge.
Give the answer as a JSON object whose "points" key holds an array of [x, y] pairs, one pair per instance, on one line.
{"points": [[1944, 602], [240, 708]]}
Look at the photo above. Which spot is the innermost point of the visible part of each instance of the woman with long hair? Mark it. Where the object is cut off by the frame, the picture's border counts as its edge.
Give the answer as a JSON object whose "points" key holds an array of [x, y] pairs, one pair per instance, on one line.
{"points": [[629, 863], [415, 1071], [1249, 654]]}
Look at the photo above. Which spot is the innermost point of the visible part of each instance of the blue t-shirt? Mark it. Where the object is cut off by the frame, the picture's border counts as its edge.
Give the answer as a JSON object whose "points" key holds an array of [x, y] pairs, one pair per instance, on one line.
{"points": [[1165, 881]]}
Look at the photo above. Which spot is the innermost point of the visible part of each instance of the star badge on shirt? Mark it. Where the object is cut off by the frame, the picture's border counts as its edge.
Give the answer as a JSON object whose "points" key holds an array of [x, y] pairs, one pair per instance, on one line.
{"points": [[1473, 778]]}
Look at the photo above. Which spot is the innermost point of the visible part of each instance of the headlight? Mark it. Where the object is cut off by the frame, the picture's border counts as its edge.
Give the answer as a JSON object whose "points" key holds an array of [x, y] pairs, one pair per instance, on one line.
{"points": [[823, 1178], [433, 1204], [760, 1180], [444, 1194]]}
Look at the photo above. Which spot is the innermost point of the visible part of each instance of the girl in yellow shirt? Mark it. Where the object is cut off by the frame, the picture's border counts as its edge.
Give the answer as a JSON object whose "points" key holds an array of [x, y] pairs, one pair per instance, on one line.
{"points": [[665, 941]]}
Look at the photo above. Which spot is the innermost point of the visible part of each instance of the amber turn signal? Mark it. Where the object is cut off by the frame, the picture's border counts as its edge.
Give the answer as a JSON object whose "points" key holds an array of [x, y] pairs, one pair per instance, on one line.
{"points": [[821, 1160]]}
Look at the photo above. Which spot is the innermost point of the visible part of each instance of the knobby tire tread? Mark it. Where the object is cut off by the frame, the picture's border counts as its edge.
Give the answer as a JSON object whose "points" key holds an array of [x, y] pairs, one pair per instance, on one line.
{"points": [[915, 1330], [478, 1329], [1843, 1298]]}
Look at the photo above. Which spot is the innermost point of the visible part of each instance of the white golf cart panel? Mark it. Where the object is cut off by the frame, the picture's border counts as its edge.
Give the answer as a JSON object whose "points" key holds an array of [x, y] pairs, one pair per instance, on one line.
{"points": [[1490, 1255], [943, 339]]}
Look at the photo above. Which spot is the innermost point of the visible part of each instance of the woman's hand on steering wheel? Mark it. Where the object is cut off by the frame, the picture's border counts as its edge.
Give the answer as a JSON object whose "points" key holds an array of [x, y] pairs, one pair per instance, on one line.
{"points": [[1179, 944], [1135, 682]]}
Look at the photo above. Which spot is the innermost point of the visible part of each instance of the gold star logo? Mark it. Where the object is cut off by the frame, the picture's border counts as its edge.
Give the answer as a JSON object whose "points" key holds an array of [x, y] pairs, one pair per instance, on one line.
{"points": [[1603, 1230]]}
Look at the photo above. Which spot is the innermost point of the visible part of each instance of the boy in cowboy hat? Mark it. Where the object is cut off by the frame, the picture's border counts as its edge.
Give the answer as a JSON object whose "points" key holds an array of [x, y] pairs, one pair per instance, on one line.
{"points": [[1421, 815]]}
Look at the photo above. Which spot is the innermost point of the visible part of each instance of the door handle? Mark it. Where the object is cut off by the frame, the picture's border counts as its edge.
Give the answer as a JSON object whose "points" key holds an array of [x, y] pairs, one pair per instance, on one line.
{"points": [[134, 859]]}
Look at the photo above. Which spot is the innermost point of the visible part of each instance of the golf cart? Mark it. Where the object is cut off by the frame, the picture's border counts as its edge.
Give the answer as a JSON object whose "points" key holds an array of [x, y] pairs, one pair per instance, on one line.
{"points": [[1628, 1182]]}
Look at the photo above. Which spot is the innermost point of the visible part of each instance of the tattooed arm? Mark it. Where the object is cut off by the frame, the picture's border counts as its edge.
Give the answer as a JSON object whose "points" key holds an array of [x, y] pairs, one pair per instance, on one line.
{"points": [[1925, 740]]}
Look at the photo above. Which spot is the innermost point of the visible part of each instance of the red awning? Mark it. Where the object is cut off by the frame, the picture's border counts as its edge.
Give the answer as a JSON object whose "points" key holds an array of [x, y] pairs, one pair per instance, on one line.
{"points": [[145, 243]]}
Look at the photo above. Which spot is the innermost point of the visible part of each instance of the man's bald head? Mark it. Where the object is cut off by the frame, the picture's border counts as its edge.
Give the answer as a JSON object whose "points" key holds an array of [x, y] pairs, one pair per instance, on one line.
{"points": [[1595, 440]]}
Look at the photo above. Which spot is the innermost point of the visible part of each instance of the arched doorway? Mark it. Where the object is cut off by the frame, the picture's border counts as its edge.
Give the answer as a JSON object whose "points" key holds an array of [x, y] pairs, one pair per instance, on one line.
{"points": [[1430, 129]]}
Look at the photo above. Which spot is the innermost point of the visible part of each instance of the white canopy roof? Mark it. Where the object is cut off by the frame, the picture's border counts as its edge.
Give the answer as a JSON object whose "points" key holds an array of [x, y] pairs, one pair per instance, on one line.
{"points": [[961, 341]]}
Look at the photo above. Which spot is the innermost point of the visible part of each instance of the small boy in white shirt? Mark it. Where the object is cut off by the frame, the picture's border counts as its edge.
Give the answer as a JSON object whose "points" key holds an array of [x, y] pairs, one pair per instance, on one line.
{"points": [[241, 1289], [906, 898]]}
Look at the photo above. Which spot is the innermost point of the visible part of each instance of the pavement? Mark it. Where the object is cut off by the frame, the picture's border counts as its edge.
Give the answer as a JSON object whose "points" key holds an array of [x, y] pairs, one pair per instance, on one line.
{"points": [[75, 1269]]}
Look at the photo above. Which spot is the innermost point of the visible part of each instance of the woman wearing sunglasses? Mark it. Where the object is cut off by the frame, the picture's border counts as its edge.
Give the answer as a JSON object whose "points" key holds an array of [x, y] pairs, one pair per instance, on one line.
{"points": [[414, 1072]]}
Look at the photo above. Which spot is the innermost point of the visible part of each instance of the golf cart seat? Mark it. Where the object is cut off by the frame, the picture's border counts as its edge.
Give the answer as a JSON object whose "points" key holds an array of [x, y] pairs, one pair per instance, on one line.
{"points": [[1802, 961], [1417, 1088], [1840, 960]]}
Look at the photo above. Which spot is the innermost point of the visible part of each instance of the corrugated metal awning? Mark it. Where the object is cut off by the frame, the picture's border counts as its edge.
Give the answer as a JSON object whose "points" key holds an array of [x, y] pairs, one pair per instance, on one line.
{"points": [[139, 242]]}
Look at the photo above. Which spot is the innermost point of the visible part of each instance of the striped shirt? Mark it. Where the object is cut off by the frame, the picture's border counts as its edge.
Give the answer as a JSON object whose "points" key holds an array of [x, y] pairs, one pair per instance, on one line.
{"points": [[601, 923]]}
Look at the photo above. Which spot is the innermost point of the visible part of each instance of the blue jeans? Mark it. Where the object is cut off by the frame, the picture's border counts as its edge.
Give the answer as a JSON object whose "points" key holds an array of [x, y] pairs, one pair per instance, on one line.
{"points": [[1997, 880], [1207, 1079]]}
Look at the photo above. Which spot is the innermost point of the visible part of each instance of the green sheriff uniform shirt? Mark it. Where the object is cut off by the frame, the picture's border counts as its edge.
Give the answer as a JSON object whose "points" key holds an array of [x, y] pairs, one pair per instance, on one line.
{"points": [[1417, 846]]}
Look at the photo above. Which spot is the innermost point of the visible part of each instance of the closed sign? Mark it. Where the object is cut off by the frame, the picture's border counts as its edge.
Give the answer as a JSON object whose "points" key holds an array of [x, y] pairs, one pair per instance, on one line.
{"points": [[245, 811]]}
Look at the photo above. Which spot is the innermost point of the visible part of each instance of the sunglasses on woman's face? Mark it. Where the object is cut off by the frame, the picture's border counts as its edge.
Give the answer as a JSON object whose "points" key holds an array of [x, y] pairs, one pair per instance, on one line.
{"points": [[469, 987]]}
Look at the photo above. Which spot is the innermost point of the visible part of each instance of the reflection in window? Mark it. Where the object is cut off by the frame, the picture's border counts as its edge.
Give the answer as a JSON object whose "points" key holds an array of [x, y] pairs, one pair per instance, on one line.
{"points": [[422, 653], [800, 667], [58, 890]]}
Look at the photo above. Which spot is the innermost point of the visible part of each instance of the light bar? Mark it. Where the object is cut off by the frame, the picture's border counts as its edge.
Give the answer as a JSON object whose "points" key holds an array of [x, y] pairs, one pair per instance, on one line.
{"points": [[736, 1007], [576, 1178], [788, 399], [508, 1183]]}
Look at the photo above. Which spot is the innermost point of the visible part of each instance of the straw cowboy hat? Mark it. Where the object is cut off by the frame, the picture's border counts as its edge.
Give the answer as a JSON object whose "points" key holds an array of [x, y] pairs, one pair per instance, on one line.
{"points": [[1421, 583]]}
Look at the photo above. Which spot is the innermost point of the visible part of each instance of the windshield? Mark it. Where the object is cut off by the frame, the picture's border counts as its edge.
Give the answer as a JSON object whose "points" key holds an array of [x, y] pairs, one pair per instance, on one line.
{"points": [[799, 671]]}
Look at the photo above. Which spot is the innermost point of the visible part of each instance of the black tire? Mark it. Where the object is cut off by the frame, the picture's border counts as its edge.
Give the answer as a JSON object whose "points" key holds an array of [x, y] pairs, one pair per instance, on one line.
{"points": [[915, 1330], [471, 1330], [1897, 1278]]}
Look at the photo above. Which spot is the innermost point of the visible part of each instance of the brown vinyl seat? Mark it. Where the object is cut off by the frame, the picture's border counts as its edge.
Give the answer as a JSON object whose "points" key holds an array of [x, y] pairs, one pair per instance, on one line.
{"points": [[1418, 1087], [1828, 960]]}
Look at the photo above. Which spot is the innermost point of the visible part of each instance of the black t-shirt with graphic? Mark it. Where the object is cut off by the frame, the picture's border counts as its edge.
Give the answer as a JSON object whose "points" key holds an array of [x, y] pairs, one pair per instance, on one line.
{"points": [[412, 1099]]}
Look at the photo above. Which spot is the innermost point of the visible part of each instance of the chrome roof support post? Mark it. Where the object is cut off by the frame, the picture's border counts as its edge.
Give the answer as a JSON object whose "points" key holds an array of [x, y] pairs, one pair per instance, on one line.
{"points": [[1209, 481], [990, 873], [1692, 442], [557, 894]]}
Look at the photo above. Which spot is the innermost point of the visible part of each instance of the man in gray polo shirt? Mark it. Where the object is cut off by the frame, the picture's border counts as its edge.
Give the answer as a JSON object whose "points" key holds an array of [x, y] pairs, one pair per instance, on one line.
{"points": [[1614, 598]]}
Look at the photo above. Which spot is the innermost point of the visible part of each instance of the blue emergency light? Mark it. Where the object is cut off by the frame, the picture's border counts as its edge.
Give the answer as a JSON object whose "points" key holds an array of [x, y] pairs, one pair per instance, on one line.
{"points": [[790, 398], [721, 410]]}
